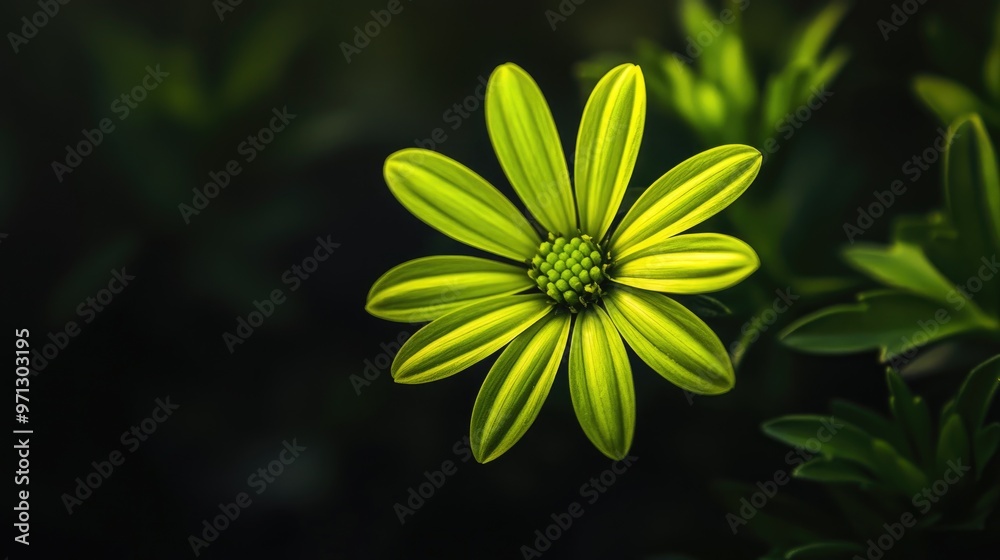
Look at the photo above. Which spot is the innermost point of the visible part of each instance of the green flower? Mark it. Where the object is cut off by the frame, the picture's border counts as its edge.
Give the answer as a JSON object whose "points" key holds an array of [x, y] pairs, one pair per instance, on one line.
{"points": [[577, 283]]}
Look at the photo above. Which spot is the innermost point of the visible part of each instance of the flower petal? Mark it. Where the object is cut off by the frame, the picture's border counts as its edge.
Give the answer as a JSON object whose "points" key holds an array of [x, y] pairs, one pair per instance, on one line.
{"points": [[607, 145], [516, 387], [527, 144], [454, 200], [461, 338], [695, 263], [671, 340], [600, 383], [686, 196], [427, 288]]}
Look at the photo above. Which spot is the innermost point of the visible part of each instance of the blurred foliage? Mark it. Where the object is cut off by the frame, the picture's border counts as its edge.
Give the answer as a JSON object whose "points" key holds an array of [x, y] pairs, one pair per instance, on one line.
{"points": [[712, 86], [878, 469], [949, 99], [937, 271], [175, 134]]}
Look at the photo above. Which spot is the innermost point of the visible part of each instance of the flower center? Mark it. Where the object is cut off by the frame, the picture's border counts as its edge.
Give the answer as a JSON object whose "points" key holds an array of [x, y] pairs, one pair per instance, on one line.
{"points": [[570, 271]]}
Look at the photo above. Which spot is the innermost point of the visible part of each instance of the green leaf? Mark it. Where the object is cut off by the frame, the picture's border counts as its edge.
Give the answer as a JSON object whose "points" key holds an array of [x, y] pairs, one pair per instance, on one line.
{"points": [[948, 99], [727, 90], [185, 96], [688, 264], [779, 93], [590, 71], [874, 424], [843, 440], [828, 69], [895, 470], [89, 274], [895, 322], [704, 306], [712, 111], [972, 184], [991, 67], [262, 55], [527, 144], [937, 238], [465, 336], [986, 444], [810, 42], [977, 392], [427, 288], [516, 387], [695, 15], [736, 80], [680, 81], [901, 266], [607, 145], [912, 415], [984, 508], [830, 550], [685, 196], [859, 512], [953, 444], [785, 521], [600, 383], [833, 470], [452, 199], [671, 340]]}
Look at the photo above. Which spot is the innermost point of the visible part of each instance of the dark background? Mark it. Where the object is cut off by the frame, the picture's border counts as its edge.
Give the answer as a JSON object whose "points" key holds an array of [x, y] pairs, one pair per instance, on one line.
{"points": [[321, 177]]}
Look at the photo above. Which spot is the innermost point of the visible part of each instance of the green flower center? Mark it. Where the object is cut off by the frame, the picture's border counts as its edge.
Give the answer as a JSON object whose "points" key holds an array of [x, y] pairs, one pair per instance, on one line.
{"points": [[570, 271]]}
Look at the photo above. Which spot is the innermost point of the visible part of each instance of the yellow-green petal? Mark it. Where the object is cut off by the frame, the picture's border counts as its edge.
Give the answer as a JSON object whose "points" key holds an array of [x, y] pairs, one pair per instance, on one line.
{"points": [[516, 387], [456, 201], [671, 340], [527, 144], [607, 145], [427, 288], [695, 263], [600, 383], [461, 338], [685, 196]]}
